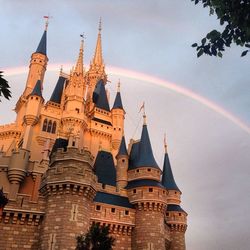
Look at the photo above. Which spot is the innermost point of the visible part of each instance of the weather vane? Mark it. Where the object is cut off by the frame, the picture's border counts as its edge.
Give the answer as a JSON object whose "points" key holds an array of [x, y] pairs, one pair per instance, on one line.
{"points": [[47, 21]]}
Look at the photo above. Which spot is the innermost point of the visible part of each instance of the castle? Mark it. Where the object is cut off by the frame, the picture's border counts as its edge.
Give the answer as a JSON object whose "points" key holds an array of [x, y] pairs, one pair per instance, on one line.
{"points": [[64, 164]]}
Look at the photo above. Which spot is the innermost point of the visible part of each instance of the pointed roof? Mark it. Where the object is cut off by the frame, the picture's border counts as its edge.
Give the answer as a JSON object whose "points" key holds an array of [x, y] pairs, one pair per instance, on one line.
{"points": [[37, 90], [133, 155], [100, 96], [98, 60], [145, 153], [167, 176], [42, 46], [104, 168], [79, 64], [57, 93], [118, 101], [123, 148]]}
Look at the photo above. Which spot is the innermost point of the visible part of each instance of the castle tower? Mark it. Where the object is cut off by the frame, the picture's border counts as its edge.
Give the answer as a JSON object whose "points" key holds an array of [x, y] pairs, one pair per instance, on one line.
{"points": [[118, 116], [122, 165], [37, 69], [38, 64], [73, 117], [147, 194], [69, 187], [176, 217]]}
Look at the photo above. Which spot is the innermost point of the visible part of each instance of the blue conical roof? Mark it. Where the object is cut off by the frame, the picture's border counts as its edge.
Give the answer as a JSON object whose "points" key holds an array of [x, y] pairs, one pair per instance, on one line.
{"points": [[118, 101], [42, 46], [167, 176], [57, 93], [145, 153], [133, 155], [123, 148], [100, 96], [37, 90]]}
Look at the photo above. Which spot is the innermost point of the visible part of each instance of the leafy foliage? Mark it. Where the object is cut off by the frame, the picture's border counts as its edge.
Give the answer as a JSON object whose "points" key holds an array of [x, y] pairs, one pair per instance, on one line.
{"points": [[234, 16], [3, 199], [4, 87], [97, 238]]}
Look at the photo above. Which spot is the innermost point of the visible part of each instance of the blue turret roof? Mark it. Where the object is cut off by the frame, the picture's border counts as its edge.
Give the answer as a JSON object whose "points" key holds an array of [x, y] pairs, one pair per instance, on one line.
{"points": [[104, 168], [42, 46], [123, 148], [167, 176], [60, 143], [145, 153], [113, 199], [57, 93], [118, 101], [143, 183], [175, 208], [37, 90], [100, 96], [133, 155]]}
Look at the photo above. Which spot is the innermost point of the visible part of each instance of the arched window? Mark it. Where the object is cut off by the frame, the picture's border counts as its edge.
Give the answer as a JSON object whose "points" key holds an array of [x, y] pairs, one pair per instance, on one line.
{"points": [[54, 128], [49, 126], [45, 124]]}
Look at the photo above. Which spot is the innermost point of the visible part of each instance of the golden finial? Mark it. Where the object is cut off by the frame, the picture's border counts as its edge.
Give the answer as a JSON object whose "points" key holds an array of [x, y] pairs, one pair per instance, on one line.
{"points": [[165, 144], [61, 69], [100, 25]]}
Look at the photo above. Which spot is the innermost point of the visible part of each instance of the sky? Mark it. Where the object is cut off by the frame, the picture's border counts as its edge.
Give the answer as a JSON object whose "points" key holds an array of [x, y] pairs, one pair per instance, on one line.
{"points": [[209, 153]]}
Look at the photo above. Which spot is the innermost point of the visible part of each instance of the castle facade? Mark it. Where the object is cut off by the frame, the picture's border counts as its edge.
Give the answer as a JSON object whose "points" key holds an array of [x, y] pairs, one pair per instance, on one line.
{"points": [[64, 164]]}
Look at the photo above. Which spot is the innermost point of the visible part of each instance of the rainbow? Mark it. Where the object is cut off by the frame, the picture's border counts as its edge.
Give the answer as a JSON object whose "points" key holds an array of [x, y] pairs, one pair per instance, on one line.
{"points": [[121, 72]]}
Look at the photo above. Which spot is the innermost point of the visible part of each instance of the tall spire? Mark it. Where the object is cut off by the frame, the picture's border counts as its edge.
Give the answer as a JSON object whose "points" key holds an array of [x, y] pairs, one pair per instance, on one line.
{"points": [[42, 46], [167, 176], [79, 64], [97, 60]]}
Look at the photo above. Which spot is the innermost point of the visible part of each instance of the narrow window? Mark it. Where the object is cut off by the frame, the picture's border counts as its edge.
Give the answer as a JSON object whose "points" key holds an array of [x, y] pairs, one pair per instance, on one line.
{"points": [[45, 124], [126, 212], [134, 191], [149, 169], [49, 126], [54, 128], [98, 207], [167, 214], [179, 214], [113, 210], [150, 190]]}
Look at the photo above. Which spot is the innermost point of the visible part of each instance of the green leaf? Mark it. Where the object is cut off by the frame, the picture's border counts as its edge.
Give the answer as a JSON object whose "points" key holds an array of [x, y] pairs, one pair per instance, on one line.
{"points": [[200, 53], [219, 54], [244, 52], [203, 41]]}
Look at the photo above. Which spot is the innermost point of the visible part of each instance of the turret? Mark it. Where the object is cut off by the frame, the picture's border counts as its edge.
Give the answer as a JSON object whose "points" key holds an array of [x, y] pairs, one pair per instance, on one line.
{"points": [[147, 194], [17, 170], [69, 187], [38, 64], [118, 116], [176, 217], [32, 113], [122, 165]]}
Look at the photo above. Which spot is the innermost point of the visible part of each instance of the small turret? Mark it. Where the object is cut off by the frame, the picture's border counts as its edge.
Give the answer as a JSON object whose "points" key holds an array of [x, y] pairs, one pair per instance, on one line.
{"points": [[34, 102], [176, 217], [122, 165], [32, 113], [118, 116]]}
